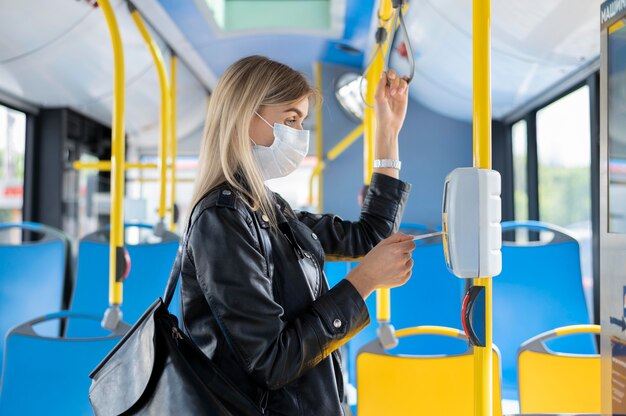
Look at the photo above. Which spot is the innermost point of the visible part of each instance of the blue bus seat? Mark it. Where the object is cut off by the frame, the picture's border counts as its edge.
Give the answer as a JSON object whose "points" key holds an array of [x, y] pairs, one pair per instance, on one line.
{"points": [[49, 375], [151, 263], [32, 276], [540, 288], [431, 297]]}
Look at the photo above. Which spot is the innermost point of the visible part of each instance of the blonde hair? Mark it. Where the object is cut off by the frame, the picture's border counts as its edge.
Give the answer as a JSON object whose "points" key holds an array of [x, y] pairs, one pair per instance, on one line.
{"points": [[226, 151]]}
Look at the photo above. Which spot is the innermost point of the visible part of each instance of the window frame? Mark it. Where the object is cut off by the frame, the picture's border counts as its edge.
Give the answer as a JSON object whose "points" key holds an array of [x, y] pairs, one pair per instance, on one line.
{"points": [[532, 164], [30, 113]]}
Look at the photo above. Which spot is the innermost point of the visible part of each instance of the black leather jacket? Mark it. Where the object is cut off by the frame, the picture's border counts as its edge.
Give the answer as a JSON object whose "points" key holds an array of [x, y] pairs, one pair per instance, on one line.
{"points": [[257, 302]]}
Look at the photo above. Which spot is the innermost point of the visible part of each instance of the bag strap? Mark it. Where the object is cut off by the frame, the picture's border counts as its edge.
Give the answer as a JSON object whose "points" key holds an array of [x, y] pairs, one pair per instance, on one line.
{"points": [[172, 281]]}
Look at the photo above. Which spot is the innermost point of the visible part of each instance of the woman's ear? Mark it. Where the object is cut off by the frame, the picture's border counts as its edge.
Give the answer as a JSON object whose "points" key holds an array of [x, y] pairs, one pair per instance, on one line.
{"points": [[260, 132]]}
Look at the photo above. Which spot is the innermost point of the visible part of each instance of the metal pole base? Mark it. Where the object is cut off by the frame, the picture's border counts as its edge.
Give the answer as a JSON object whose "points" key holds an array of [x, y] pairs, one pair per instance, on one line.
{"points": [[112, 318], [387, 335]]}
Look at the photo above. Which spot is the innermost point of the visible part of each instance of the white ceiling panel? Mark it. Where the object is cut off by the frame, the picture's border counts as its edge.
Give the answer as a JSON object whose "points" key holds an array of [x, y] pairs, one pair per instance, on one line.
{"points": [[57, 53], [535, 44]]}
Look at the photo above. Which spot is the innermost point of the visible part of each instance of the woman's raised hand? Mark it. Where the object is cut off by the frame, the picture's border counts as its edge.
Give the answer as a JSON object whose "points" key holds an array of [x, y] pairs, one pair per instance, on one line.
{"points": [[391, 102], [387, 265]]}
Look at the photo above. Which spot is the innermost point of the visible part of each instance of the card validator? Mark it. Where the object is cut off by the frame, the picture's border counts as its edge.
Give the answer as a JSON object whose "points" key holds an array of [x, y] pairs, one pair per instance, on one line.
{"points": [[471, 214]]}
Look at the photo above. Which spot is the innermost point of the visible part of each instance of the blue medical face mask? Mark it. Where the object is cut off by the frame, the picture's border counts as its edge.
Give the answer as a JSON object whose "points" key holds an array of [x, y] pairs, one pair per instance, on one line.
{"points": [[284, 155]]}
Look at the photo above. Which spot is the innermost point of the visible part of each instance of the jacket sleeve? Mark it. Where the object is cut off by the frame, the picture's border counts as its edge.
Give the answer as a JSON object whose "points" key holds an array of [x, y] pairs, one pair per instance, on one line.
{"points": [[232, 272], [381, 213]]}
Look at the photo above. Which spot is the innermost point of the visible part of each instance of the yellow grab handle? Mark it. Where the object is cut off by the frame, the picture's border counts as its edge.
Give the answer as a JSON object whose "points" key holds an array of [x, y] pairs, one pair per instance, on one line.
{"points": [[105, 166], [483, 358], [383, 302], [319, 141], [577, 329], [173, 140], [430, 330], [117, 154], [165, 108]]}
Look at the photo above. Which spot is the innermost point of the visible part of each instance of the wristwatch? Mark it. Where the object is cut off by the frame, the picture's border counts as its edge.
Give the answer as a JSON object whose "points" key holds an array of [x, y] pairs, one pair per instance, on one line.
{"points": [[387, 163]]}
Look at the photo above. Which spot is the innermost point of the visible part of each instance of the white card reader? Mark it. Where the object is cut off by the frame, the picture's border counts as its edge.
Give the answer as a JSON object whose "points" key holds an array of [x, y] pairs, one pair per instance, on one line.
{"points": [[471, 215]]}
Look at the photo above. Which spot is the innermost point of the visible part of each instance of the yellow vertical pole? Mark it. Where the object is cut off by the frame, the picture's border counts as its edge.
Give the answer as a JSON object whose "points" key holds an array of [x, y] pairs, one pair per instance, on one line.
{"points": [[385, 10], [369, 120], [481, 18], [173, 140], [165, 109], [319, 144], [117, 156]]}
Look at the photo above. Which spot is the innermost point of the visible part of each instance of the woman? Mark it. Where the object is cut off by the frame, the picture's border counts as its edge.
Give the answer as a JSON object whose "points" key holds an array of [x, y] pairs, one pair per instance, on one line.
{"points": [[254, 297]]}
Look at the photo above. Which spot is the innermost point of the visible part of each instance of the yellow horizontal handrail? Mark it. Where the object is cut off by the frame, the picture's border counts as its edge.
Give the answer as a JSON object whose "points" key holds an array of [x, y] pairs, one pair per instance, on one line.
{"points": [[577, 329], [345, 142], [153, 180], [333, 154], [105, 166], [430, 330]]}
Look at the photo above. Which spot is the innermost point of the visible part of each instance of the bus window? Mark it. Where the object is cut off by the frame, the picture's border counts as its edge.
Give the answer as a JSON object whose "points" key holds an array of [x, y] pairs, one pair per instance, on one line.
{"points": [[519, 144], [142, 191], [84, 200], [564, 158], [520, 164], [617, 139], [12, 146]]}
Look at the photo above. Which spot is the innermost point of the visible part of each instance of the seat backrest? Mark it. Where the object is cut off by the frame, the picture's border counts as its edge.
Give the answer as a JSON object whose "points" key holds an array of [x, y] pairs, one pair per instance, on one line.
{"points": [[32, 276], [420, 384], [540, 288], [553, 382], [431, 297], [50, 375], [151, 264]]}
